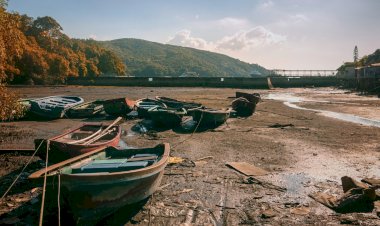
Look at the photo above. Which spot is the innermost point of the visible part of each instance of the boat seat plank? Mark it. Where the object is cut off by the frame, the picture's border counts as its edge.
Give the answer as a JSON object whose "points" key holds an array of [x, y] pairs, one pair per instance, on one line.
{"points": [[110, 167], [112, 161], [146, 158]]}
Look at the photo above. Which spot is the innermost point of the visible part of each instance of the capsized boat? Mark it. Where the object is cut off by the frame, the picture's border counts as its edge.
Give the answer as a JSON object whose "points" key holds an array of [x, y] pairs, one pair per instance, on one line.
{"points": [[98, 183], [173, 103], [167, 117], [80, 140], [118, 106], [53, 107], [243, 107], [251, 97], [143, 105], [86, 110], [207, 117]]}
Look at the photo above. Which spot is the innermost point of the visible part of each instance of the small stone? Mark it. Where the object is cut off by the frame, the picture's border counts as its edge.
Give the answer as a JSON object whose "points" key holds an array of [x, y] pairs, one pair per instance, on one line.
{"points": [[268, 213], [200, 163], [315, 154], [348, 219], [300, 210]]}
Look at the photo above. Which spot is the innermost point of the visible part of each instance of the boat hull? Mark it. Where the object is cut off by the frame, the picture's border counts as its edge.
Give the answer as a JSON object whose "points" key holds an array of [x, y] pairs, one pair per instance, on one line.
{"points": [[172, 103], [59, 151], [143, 106], [86, 110], [166, 118], [90, 197], [53, 107], [243, 107], [90, 201], [254, 97], [118, 107], [207, 118]]}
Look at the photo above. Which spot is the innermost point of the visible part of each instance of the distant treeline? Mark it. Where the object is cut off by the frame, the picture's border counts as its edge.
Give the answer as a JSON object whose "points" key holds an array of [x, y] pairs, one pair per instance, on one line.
{"points": [[144, 58], [36, 51]]}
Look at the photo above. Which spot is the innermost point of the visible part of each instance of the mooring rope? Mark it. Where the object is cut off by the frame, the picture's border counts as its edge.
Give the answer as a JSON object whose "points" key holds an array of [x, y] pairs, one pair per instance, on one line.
{"points": [[200, 120], [44, 187], [59, 193], [18, 176]]}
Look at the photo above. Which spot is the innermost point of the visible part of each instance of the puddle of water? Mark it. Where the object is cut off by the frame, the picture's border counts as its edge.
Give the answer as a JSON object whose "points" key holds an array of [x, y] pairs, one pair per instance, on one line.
{"points": [[285, 97], [123, 145], [294, 182], [290, 100]]}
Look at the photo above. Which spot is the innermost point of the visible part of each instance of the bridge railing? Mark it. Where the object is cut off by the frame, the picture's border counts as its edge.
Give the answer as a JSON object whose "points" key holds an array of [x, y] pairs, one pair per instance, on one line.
{"points": [[300, 73]]}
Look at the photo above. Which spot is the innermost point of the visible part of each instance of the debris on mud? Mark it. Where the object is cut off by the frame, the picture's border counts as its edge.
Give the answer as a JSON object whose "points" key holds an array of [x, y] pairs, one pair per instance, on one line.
{"points": [[247, 169], [357, 197], [282, 126]]}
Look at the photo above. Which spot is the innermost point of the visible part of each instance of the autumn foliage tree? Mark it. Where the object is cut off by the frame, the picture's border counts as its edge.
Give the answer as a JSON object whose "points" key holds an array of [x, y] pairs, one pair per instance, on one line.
{"points": [[36, 51]]}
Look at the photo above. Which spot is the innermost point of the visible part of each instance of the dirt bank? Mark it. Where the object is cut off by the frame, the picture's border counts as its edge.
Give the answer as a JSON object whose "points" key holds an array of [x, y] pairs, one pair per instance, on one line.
{"points": [[311, 154]]}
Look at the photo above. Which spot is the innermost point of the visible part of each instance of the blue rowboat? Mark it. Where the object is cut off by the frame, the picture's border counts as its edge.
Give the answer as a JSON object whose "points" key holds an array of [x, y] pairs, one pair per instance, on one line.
{"points": [[98, 183], [53, 107]]}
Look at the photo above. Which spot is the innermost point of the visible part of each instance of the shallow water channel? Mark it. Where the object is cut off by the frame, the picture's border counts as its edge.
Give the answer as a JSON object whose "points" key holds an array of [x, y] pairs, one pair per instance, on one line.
{"points": [[291, 101]]}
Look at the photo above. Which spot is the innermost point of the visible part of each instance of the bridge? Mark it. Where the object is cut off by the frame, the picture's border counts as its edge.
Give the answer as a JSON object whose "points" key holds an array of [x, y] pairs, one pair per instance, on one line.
{"points": [[300, 73]]}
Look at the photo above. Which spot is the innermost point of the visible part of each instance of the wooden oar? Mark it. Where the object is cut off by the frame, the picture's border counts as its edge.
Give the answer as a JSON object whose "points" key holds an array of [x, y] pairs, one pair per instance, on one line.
{"points": [[87, 138], [104, 132]]}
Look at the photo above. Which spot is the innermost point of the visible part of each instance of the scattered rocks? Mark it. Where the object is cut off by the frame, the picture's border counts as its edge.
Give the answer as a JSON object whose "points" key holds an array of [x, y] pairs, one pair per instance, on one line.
{"points": [[348, 219], [300, 210], [269, 213]]}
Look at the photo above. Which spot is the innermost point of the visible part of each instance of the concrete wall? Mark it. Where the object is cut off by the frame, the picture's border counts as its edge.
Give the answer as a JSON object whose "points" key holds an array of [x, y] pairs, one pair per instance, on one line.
{"points": [[250, 83], [254, 83], [310, 81]]}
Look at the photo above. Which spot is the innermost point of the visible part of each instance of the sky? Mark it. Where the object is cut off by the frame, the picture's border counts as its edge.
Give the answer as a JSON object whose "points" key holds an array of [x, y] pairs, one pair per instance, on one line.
{"points": [[276, 34]]}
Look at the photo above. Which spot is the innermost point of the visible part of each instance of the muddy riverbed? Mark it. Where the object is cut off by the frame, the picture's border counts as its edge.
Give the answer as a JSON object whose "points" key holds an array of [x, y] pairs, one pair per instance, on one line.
{"points": [[311, 154]]}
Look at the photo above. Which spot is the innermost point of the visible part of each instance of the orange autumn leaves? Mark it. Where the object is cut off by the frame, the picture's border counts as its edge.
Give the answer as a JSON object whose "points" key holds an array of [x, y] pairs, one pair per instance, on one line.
{"points": [[36, 51]]}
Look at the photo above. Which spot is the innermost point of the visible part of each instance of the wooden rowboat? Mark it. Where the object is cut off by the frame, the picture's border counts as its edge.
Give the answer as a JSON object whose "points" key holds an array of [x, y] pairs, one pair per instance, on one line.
{"points": [[207, 117], [251, 97], [167, 117], [96, 184], [119, 106], [143, 105], [53, 107], [172, 103], [85, 110], [243, 107], [78, 141]]}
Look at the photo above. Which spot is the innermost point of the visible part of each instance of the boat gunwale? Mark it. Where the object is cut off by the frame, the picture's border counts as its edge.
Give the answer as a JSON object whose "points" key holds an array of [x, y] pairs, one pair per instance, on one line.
{"points": [[174, 101], [54, 139], [80, 106], [137, 103], [156, 167]]}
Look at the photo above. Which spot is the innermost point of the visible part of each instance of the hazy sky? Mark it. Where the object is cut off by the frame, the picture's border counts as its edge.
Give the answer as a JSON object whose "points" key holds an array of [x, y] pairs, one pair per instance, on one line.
{"points": [[289, 34]]}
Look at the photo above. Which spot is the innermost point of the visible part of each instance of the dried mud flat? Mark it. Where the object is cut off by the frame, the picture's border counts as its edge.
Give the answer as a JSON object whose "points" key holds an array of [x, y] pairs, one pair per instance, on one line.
{"points": [[311, 154]]}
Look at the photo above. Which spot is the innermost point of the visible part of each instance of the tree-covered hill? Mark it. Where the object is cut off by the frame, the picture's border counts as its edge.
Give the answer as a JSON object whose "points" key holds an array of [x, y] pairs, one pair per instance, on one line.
{"points": [[36, 51], [145, 58]]}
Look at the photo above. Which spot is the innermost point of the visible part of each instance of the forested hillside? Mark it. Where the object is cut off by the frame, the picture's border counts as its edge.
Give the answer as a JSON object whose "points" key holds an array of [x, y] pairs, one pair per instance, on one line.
{"points": [[145, 58], [371, 59], [36, 51]]}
